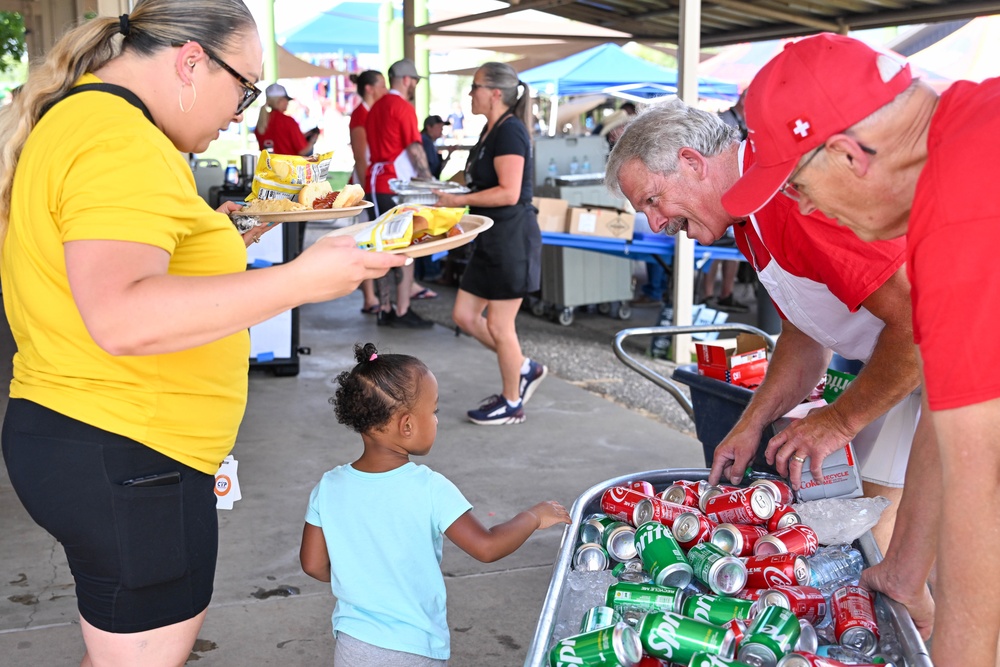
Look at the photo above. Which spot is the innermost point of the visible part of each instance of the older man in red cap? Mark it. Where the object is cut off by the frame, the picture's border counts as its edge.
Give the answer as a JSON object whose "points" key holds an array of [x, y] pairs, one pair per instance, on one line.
{"points": [[845, 129]]}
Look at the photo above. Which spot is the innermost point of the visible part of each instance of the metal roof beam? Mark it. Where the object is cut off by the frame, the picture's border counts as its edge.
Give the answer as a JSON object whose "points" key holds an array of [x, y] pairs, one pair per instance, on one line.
{"points": [[541, 5], [777, 15]]}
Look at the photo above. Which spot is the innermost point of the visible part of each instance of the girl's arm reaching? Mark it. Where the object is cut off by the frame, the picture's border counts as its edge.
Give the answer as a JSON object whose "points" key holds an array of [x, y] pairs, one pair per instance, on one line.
{"points": [[313, 554], [491, 544]]}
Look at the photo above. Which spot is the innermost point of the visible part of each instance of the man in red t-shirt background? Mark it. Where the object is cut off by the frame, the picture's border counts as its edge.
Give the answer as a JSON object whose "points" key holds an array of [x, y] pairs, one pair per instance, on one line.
{"points": [[396, 152], [848, 131]]}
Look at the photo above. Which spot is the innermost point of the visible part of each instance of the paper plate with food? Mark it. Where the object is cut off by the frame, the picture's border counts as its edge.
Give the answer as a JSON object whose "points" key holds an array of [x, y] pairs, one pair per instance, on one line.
{"points": [[417, 231], [316, 201]]}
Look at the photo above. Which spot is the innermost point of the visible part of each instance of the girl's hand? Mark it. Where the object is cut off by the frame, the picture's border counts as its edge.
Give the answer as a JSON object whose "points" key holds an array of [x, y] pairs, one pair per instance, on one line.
{"points": [[549, 513]]}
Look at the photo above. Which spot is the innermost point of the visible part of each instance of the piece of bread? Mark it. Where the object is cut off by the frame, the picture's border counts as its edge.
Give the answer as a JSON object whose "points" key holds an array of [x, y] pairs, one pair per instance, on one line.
{"points": [[351, 195], [310, 192]]}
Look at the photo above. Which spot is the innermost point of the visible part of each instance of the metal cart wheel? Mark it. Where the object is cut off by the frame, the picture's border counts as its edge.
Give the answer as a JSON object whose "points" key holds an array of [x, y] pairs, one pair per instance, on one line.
{"points": [[604, 308], [623, 311], [565, 317], [538, 308]]}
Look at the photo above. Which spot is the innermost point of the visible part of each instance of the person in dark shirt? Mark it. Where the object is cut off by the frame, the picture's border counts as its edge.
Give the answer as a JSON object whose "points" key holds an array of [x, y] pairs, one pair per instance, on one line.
{"points": [[433, 129]]}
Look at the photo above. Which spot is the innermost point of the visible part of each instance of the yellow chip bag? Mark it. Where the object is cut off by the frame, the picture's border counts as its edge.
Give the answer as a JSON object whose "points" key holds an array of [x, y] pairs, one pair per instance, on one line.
{"points": [[440, 219], [393, 229], [282, 176]]}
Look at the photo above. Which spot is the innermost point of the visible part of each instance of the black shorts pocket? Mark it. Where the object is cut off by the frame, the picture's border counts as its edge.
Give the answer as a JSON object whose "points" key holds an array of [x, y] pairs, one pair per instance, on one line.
{"points": [[151, 544]]}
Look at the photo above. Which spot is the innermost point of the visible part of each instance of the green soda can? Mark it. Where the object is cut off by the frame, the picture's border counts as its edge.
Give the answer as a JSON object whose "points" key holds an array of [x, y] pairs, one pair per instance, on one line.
{"points": [[770, 637], [709, 660], [619, 541], [715, 609], [724, 573], [661, 556], [674, 638], [599, 617], [645, 597], [592, 528], [617, 646], [631, 571]]}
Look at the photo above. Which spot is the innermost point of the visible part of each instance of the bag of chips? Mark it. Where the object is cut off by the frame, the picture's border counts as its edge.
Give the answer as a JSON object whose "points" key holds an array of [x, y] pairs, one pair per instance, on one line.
{"points": [[282, 176]]}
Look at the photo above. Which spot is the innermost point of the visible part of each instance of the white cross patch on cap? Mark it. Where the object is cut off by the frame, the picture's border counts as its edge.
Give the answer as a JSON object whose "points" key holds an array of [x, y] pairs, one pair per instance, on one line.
{"points": [[800, 128]]}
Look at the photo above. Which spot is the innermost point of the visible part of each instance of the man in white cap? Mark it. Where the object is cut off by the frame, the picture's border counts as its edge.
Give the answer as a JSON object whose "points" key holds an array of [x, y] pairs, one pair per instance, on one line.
{"points": [[396, 152], [278, 132], [846, 129]]}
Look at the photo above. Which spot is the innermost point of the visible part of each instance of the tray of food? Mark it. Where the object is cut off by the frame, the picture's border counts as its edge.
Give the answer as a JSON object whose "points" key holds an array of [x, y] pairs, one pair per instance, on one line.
{"points": [[422, 191], [658, 568]]}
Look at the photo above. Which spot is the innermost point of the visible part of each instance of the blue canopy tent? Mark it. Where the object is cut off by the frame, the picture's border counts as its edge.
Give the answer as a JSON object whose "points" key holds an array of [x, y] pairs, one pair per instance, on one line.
{"points": [[350, 27], [609, 67]]}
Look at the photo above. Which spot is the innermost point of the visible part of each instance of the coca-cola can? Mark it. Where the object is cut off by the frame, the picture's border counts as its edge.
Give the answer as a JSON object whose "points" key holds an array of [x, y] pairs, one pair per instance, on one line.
{"points": [[710, 492], [853, 612], [783, 517], [620, 501], [691, 528], [642, 487], [651, 508], [805, 602], [808, 659], [682, 493], [741, 506], [780, 491], [752, 594], [737, 538], [776, 570], [739, 628], [796, 539]]}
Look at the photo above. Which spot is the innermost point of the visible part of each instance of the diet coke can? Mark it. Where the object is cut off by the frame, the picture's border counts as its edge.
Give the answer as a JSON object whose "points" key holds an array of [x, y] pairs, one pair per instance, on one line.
{"points": [[682, 493], [796, 539], [783, 517], [853, 614], [651, 508], [776, 570], [620, 501], [805, 602], [780, 491], [754, 505], [737, 538], [642, 487], [691, 528], [712, 491]]}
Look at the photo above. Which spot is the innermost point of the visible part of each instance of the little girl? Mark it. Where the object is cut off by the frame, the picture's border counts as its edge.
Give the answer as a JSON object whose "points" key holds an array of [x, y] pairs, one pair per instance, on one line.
{"points": [[373, 528]]}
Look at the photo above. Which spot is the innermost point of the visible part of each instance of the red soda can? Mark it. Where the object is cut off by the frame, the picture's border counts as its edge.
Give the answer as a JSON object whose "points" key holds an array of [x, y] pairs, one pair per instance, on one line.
{"points": [[780, 491], [681, 493], [752, 594], [711, 491], [651, 508], [737, 538], [742, 506], [805, 602], [853, 614], [776, 570], [642, 487], [739, 628], [691, 528], [803, 659], [783, 517], [795, 539], [620, 501], [650, 661]]}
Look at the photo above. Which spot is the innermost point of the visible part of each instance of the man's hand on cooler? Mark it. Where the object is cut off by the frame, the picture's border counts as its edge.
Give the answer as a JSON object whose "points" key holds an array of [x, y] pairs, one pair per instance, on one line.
{"points": [[815, 436], [734, 454]]}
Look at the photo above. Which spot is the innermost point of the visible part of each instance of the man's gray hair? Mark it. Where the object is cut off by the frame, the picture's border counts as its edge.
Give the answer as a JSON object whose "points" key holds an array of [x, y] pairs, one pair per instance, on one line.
{"points": [[659, 132]]}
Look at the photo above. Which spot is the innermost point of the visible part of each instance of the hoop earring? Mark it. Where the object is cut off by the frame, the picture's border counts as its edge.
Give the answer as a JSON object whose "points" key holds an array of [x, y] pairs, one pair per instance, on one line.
{"points": [[180, 98]]}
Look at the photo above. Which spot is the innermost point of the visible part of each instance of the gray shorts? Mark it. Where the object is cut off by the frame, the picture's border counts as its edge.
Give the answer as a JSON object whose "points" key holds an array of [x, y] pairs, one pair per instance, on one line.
{"points": [[351, 652]]}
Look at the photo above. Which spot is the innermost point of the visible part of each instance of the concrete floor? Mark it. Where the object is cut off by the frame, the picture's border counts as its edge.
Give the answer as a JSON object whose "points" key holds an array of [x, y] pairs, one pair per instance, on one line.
{"points": [[572, 438]]}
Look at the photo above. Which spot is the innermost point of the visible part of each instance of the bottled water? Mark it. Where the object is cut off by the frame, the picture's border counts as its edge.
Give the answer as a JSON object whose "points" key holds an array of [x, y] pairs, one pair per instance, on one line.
{"points": [[553, 169], [848, 655], [833, 567], [574, 166], [586, 165]]}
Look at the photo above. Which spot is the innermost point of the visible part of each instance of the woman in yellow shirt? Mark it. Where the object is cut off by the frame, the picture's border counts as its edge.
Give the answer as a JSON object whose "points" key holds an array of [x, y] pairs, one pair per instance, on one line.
{"points": [[129, 303]]}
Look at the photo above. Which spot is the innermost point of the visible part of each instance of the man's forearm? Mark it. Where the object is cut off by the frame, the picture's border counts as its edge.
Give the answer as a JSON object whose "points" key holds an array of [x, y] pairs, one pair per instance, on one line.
{"points": [[418, 158]]}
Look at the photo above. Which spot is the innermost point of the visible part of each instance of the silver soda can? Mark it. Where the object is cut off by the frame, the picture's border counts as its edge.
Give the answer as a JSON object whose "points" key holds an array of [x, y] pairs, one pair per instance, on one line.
{"points": [[590, 557], [808, 639], [592, 528], [596, 618]]}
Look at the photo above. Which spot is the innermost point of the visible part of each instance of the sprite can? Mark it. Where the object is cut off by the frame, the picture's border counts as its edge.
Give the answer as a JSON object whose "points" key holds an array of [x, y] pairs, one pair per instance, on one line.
{"points": [[619, 541], [674, 638], [715, 609], [709, 660], [592, 528], [644, 597], [617, 646], [721, 571], [772, 634], [631, 571], [661, 556], [599, 617]]}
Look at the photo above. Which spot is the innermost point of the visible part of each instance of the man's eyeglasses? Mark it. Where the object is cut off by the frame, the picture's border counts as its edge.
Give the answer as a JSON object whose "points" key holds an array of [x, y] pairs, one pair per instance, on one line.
{"points": [[791, 190], [250, 91]]}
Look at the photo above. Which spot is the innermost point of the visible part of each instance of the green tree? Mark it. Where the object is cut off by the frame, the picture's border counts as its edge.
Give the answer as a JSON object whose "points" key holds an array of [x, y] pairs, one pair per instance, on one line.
{"points": [[12, 46]]}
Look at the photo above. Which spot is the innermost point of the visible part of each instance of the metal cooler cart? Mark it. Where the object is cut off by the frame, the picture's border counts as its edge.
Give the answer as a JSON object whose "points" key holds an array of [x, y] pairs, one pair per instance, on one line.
{"points": [[913, 651]]}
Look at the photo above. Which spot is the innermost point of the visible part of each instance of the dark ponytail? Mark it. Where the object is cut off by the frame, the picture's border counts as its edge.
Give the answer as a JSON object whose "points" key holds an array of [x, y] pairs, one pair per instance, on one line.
{"points": [[376, 388]]}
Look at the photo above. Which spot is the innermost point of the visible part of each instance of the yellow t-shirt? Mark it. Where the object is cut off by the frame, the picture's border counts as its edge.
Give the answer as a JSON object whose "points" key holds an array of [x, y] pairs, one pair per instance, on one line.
{"points": [[95, 168]]}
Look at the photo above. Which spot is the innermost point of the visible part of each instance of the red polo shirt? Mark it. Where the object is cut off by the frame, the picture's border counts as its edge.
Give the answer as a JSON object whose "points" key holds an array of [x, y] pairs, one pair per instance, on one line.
{"points": [[391, 127]]}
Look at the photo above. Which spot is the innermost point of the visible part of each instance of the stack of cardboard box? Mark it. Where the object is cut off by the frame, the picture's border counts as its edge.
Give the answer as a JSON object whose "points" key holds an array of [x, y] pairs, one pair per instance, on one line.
{"points": [[556, 215], [744, 366]]}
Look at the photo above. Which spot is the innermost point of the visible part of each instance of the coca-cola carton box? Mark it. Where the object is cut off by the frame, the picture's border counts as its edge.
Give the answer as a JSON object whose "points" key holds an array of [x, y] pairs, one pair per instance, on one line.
{"points": [[745, 365], [841, 475]]}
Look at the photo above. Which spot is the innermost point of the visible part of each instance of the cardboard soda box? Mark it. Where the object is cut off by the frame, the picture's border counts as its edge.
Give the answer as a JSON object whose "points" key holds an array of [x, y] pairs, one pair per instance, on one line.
{"points": [[841, 475], [745, 366]]}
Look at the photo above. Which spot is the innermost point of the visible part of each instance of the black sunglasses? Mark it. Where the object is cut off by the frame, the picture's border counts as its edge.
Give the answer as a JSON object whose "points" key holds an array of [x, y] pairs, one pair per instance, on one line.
{"points": [[250, 91]]}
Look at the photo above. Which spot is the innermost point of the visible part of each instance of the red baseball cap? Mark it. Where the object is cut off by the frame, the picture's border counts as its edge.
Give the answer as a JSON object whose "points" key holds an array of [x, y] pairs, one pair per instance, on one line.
{"points": [[815, 88]]}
